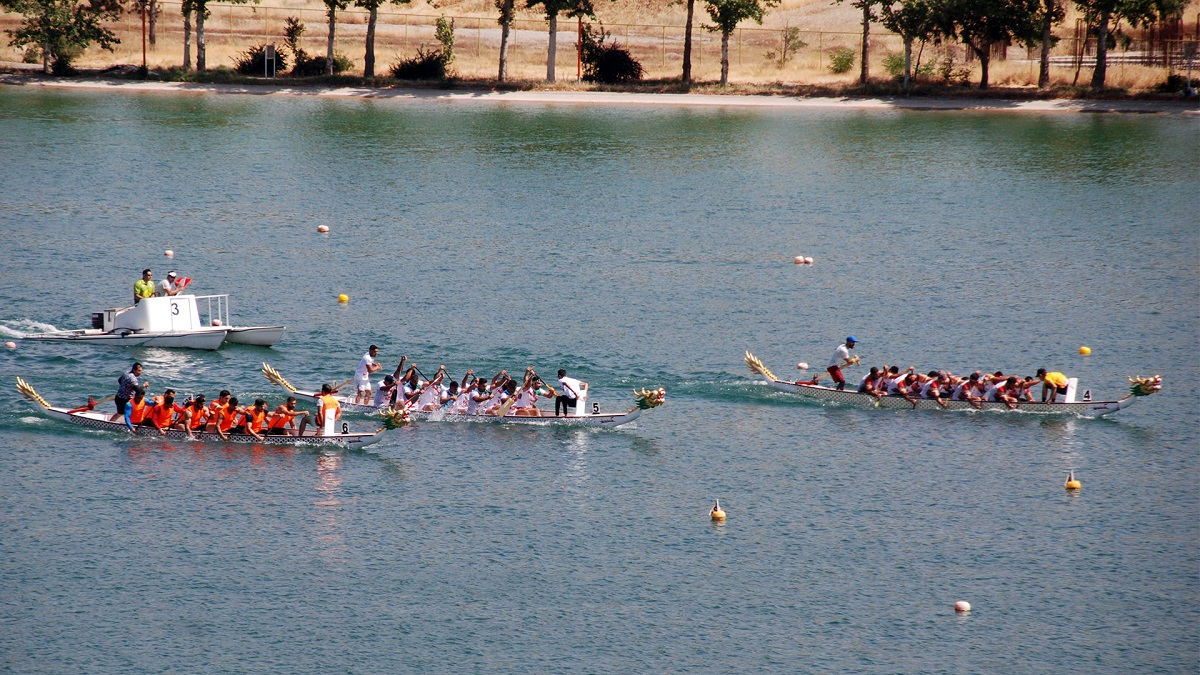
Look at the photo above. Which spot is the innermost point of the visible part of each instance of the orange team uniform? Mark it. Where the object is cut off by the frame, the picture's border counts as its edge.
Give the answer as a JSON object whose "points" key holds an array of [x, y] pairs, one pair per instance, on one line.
{"points": [[226, 418], [331, 408], [160, 416], [278, 421], [138, 412], [255, 420], [199, 418]]}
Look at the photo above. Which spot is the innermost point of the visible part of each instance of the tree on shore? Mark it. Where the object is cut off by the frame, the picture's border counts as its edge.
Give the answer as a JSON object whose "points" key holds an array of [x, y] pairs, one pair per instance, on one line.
{"points": [[979, 24], [726, 15], [686, 78], [373, 7], [62, 29], [868, 15], [1052, 12], [200, 9], [912, 20], [1107, 15], [507, 12], [572, 9], [186, 9], [331, 10]]}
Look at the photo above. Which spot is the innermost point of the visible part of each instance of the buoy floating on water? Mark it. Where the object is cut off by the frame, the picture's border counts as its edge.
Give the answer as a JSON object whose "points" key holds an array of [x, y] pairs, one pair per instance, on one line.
{"points": [[343, 298], [717, 514], [169, 253], [216, 322], [962, 606], [10, 344], [322, 228], [802, 260], [807, 260], [802, 366], [1071, 483], [1085, 350]]}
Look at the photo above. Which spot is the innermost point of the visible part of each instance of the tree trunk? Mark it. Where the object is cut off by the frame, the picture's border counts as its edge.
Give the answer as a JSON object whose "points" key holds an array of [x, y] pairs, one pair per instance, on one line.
{"points": [[687, 43], [1044, 67], [985, 56], [187, 39], [329, 41], [1101, 51], [866, 44], [154, 10], [506, 12], [45, 58], [907, 62], [552, 47], [725, 57], [369, 57], [200, 38]]}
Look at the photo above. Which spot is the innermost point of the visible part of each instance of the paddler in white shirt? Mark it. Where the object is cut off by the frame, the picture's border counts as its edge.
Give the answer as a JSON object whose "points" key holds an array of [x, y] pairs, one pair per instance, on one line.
{"points": [[430, 396], [841, 357], [362, 375], [569, 397], [383, 394]]}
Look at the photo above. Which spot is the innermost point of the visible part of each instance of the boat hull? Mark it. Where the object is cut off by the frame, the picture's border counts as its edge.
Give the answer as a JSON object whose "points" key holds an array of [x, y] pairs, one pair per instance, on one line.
{"points": [[100, 420], [829, 395], [260, 336], [590, 420], [207, 338]]}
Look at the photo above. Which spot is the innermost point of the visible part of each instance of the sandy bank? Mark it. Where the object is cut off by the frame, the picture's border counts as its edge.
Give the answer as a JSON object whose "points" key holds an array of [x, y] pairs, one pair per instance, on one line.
{"points": [[616, 98]]}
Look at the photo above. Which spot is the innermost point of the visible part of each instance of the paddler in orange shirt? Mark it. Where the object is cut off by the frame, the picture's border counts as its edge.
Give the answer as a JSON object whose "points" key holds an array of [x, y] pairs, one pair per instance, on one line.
{"points": [[327, 405], [226, 417], [284, 417], [163, 412], [256, 419]]}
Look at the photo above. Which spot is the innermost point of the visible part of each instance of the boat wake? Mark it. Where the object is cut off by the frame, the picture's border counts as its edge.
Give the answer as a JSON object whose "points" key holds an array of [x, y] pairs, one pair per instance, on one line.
{"points": [[21, 327]]}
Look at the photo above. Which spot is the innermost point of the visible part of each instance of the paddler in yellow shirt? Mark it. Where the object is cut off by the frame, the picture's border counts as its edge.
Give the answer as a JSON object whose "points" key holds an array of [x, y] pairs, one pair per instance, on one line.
{"points": [[1053, 384], [144, 287]]}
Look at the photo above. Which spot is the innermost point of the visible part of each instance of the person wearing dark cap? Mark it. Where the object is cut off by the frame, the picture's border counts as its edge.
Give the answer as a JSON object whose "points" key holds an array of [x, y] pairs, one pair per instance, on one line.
{"points": [[841, 357], [383, 394], [167, 287]]}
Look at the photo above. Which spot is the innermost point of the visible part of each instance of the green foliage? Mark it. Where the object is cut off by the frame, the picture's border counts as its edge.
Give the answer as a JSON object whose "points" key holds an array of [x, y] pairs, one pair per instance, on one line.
{"points": [[607, 62], [253, 61], [893, 63], [841, 60], [727, 14], [791, 44], [444, 32], [305, 65], [32, 55], [1174, 84], [62, 29], [571, 8], [425, 65], [949, 70]]}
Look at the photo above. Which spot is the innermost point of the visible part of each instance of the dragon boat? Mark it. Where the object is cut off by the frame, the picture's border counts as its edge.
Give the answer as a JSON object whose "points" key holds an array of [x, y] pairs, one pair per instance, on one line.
{"points": [[645, 400], [95, 419], [1142, 386]]}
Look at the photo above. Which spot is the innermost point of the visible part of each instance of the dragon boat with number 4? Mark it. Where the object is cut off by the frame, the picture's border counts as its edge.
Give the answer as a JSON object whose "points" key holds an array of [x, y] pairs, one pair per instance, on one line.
{"points": [[1141, 386], [88, 417], [646, 399]]}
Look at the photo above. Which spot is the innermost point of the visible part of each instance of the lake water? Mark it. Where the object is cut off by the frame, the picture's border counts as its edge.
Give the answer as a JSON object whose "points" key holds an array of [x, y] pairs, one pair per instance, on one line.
{"points": [[636, 247]]}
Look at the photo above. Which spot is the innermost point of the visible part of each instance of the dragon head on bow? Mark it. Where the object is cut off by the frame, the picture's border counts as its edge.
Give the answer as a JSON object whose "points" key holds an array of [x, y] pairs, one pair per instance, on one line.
{"points": [[1144, 386], [652, 398]]}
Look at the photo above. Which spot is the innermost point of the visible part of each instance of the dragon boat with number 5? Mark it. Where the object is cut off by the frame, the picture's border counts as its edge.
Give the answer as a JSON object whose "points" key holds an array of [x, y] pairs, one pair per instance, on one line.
{"points": [[88, 417], [1141, 386], [646, 399]]}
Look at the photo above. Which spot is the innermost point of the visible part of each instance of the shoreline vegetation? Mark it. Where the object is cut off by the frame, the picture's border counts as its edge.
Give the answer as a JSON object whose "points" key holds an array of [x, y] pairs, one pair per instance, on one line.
{"points": [[647, 92]]}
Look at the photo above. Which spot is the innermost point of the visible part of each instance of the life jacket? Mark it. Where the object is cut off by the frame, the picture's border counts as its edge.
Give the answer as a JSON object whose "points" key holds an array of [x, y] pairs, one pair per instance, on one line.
{"points": [[138, 411], [331, 407], [160, 415], [278, 421], [225, 418], [199, 417], [255, 419]]}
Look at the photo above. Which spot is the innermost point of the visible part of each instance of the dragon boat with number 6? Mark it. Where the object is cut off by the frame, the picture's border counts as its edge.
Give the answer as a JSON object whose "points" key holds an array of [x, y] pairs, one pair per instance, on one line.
{"points": [[1142, 386], [95, 419], [645, 400]]}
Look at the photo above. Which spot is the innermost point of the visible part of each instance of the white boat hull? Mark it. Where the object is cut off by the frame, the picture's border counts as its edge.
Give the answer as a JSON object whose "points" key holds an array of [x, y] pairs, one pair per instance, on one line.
{"points": [[204, 338], [261, 336], [847, 397]]}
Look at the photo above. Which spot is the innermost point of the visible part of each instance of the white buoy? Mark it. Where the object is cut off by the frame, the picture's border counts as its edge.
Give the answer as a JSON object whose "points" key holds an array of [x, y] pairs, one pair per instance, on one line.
{"points": [[169, 253], [799, 260], [10, 344], [807, 261], [216, 322], [802, 366], [962, 606], [322, 228]]}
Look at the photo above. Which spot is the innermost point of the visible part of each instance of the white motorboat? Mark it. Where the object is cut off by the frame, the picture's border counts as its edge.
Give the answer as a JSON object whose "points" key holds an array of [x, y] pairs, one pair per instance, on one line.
{"points": [[167, 322]]}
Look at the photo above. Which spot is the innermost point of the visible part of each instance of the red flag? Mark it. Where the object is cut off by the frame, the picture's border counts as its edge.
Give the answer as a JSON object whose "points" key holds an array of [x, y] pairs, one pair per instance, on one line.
{"points": [[183, 282]]}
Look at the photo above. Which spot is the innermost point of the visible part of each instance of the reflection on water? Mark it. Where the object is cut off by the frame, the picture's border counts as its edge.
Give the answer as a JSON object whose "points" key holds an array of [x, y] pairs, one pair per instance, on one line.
{"points": [[328, 531]]}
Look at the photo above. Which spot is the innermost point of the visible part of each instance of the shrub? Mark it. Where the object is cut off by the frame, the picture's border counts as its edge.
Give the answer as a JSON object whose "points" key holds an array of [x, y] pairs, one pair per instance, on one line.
{"points": [[608, 63], [791, 43], [893, 63], [841, 60], [305, 65], [253, 61], [444, 32], [425, 65], [1175, 83], [32, 55]]}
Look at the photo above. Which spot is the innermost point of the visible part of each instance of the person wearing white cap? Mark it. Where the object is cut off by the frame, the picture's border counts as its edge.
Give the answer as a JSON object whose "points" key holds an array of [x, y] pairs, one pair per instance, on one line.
{"points": [[167, 286], [841, 357]]}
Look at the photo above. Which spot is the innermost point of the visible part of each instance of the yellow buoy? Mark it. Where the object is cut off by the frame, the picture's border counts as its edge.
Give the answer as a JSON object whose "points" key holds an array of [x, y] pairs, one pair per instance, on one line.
{"points": [[1085, 350], [717, 513], [1071, 483], [343, 298]]}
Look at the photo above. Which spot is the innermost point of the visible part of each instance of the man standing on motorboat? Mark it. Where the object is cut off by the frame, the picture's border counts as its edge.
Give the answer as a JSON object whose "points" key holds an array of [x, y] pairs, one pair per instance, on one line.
{"points": [[144, 287], [167, 287]]}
